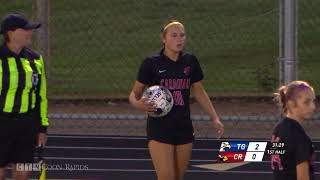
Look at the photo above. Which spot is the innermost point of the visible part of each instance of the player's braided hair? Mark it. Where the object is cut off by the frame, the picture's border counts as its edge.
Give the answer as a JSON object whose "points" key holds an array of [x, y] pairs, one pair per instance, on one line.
{"points": [[290, 92]]}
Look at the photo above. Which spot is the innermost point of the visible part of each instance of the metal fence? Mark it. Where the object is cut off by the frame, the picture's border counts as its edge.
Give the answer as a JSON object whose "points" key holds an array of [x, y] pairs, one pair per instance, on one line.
{"points": [[93, 50]]}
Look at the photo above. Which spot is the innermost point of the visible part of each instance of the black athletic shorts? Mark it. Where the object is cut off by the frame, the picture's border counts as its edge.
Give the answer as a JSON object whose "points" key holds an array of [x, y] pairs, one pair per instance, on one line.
{"points": [[17, 138], [175, 133]]}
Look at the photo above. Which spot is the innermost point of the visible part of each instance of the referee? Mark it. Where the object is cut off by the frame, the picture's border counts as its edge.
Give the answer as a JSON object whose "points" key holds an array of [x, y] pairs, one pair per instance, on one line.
{"points": [[23, 101]]}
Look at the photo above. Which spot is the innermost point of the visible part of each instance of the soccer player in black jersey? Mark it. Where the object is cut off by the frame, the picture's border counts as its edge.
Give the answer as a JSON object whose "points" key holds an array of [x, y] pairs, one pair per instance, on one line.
{"points": [[170, 137], [297, 101], [23, 101]]}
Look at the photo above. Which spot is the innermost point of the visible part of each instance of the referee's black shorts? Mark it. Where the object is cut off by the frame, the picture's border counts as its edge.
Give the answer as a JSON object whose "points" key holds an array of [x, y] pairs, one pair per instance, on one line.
{"points": [[17, 138]]}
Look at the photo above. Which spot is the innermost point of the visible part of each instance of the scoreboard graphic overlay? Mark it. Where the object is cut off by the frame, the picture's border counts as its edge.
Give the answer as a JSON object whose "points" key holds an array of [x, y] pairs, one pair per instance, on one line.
{"points": [[247, 151]]}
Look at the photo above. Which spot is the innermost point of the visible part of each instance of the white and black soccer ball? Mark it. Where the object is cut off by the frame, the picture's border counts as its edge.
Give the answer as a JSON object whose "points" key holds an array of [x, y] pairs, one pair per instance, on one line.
{"points": [[161, 97]]}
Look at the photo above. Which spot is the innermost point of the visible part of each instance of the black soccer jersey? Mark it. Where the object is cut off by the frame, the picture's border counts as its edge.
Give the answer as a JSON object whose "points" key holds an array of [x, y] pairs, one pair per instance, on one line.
{"points": [[299, 149], [178, 77]]}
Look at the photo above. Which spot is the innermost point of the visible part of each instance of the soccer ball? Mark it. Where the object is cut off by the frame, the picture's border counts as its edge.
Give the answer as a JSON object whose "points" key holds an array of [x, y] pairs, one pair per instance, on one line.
{"points": [[161, 97]]}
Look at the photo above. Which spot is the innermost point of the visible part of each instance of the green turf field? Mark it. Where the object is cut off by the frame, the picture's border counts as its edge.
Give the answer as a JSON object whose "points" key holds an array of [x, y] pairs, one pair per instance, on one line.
{"points": [[96, 46]]}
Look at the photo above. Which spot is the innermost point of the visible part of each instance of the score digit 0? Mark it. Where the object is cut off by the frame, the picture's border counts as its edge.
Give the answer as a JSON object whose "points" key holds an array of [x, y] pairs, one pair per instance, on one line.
{"points": [[254, 156]]}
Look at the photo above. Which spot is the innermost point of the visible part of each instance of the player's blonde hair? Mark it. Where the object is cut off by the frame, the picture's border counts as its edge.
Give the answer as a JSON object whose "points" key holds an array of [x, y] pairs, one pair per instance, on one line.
{"points": [[290, 92], [169, 24]]}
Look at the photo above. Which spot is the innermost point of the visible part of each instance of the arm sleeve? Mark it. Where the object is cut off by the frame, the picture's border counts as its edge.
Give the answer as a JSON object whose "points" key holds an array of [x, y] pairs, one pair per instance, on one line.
{"points": [[197, 73], [42, 102], [145, 72]]}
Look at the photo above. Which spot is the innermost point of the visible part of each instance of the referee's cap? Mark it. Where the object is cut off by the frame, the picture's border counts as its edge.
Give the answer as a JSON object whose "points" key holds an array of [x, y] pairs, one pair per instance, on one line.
{"points": [[14, 21]]}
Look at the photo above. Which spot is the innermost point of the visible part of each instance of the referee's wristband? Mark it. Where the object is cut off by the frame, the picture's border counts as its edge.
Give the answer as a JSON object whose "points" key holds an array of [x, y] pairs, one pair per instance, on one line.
{"points": [[43, 129]]}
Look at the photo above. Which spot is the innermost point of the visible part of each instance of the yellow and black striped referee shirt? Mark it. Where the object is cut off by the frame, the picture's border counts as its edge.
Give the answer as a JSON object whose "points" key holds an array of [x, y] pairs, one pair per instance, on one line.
{"points": [[23, 84]]}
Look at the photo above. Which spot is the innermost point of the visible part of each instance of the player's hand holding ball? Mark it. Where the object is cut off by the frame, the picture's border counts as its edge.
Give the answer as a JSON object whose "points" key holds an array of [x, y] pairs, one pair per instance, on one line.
{"points": [[145, 105]]}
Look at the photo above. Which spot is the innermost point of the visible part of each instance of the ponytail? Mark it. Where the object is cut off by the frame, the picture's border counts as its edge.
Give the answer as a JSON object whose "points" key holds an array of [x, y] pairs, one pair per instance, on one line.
{"points": [[281, 98]]}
